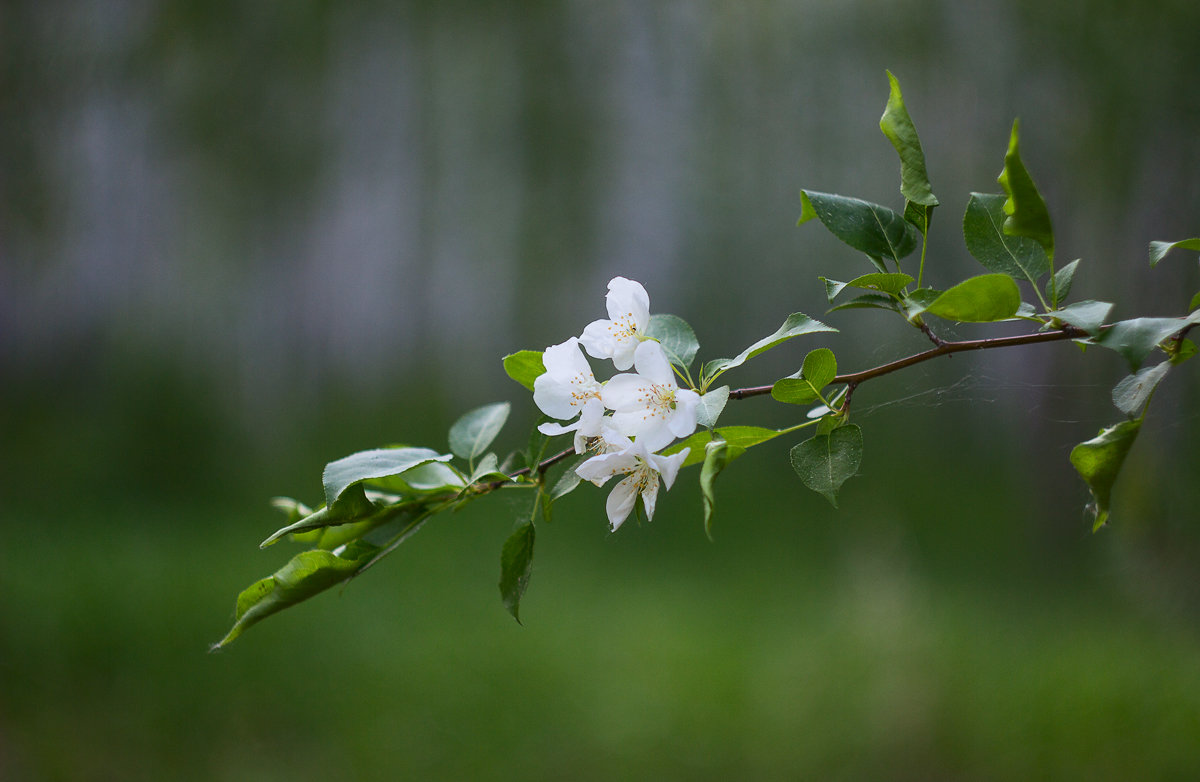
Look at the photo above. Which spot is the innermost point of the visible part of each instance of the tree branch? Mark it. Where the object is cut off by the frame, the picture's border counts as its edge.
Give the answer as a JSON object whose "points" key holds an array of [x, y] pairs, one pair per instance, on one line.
{"points": [[853, 379]]}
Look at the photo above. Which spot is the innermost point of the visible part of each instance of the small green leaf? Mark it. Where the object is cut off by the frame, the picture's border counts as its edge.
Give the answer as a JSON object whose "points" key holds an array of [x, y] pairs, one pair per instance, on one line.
{"points": [[873, 229], [1184, 351], [487, 469], [676, 337], [1027, 212], [982, 299], [740, 436], [796, 324], [1160, 249], [1099, 461], [876, 301], [567, 482], [1136, 339], [717, 455], [818, 371], [898, 126], [826, 461], [524, 366], [1086, 315], [997, 251], [516, 566], [710, 407], [919, 300], [1060, 284], [884, 283], [919, 215], [1131, 394], [307, 574], [377, 463], [473, 433]]}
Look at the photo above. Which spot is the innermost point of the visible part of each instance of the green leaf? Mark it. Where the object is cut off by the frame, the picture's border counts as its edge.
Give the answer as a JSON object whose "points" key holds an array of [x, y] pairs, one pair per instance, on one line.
{"points": [[717, 455], [676, 337], [982, 299], [819, 370], [524, 366], [997, 251], [1184, 351], [740, 436], [919, 300], [1099, 461], [1195, 302], [377, 463], [1131, 394], [919, 215], [516, 565], [568, 481], [876, 301], [1160, 249], [1027, 212], [1135, 339], [427, 478], [796, 324], [474, 432], [1086, 315], [710, 407], [307, 574], [488, 469], [885, 283], [1060, 284], [873, 229], [826, 461], [898, 126]]}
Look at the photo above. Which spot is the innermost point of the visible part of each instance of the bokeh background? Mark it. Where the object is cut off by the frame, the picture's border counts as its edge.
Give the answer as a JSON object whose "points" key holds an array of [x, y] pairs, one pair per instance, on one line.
{"points": [[240, 240]]}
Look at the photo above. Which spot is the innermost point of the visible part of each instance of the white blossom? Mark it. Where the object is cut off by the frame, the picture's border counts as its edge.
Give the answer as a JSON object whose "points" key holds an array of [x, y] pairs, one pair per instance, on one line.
{"points": [[642, 471], [628, 317], [648, 405], [567, 385]]}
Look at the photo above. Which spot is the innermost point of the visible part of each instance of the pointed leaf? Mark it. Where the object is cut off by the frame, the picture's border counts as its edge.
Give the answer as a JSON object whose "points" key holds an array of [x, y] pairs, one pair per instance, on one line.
{"points": [[1099, 461], [1131, 394], [876, 301], [516, 566], [1086, 315], [377, 463], [818, 371], [568, 481], [307, 574], [982, 299], [1027, 212], [873, 229], [1160, 249], [710, 407], [717, 455], [898, 126], [676, 337], [796, 324], [1060, 285], [997, 251], [474, 432], [524, 366], [826, 461], [886, 283], [740, 436], [1136, 339]]}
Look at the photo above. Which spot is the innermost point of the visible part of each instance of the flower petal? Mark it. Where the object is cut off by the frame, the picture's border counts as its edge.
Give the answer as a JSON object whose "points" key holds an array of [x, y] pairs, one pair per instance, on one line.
{"points": [[650, 361], [621, 501], [628, 299], [668, 466], [650, 493]]}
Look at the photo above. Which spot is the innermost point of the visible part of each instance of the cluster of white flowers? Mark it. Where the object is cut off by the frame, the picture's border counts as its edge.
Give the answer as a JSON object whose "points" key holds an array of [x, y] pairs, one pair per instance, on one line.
{"points": [[625, 420]]}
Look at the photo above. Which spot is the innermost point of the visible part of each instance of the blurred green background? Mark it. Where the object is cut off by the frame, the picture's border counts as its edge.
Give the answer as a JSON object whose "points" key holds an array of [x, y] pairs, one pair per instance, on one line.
{"points": [[240, 240]]}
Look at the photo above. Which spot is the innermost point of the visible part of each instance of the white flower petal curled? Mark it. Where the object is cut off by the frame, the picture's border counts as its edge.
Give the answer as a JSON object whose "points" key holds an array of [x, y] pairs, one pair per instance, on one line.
{"points": [[568, 384], [642, 471], [648, 404], [628, 317]]}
